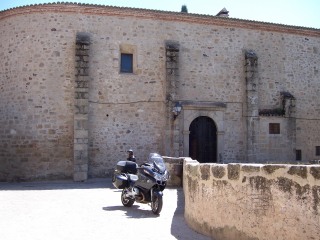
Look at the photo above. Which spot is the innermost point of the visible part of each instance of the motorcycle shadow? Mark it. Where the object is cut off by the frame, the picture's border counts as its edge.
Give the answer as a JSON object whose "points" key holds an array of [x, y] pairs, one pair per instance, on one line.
{"points": [[133, 212]]}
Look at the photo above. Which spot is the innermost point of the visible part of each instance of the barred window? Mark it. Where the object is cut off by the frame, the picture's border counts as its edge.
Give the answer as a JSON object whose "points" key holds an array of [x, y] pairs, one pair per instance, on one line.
{"points": [[317, 150], [298, 155], [274, 128]]}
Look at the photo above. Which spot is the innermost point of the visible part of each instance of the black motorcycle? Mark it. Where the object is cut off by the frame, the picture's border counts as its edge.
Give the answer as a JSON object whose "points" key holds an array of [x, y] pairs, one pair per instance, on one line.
{"points": [[144, 183]]}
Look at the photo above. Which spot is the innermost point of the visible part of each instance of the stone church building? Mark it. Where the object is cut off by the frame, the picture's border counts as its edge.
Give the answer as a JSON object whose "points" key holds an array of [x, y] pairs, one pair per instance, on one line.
{"points": [[81, 84]]}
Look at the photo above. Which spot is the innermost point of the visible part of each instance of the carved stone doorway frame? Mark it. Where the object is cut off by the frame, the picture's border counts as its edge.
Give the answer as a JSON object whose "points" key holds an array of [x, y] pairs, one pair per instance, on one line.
{"points": [[213, 110]]}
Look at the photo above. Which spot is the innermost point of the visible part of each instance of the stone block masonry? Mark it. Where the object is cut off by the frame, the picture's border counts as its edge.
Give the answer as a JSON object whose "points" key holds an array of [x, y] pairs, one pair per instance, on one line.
{"points": [[81, 131], [172, 78], [252, 104]]}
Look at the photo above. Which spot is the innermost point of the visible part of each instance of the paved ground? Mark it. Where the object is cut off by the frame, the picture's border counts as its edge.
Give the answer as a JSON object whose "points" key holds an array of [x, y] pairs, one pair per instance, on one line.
{"points": [[90, 210]]}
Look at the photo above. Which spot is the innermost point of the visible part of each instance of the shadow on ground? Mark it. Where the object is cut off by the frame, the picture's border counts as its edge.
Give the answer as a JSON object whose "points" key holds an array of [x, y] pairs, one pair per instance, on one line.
{"points": [[133, 212]]}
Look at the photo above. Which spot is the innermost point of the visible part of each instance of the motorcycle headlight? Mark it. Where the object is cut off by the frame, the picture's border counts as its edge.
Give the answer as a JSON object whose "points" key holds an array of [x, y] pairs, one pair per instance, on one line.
{"points": [[165, 176]]}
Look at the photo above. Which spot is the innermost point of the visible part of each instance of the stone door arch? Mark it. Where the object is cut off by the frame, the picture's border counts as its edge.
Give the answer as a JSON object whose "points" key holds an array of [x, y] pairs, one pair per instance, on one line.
{"points": [[203, 140], [212, 110]]}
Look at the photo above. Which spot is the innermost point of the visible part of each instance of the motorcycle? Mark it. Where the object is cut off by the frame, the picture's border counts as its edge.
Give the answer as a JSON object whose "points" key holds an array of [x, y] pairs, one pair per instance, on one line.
{"points": [[142, 184]]}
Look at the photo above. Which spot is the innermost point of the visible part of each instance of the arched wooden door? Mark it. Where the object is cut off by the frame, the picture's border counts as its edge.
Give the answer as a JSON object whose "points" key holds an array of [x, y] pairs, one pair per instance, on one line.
{"points": [[203, 140]]}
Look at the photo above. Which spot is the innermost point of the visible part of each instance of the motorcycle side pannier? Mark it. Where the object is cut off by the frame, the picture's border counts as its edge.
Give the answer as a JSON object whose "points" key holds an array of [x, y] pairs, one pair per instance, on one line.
{"points": [[120, 181], [127, 167]]}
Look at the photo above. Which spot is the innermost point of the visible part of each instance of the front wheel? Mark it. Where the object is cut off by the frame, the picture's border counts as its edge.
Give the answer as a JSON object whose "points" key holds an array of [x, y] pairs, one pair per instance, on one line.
{"points": [[126, 201], [156, 204]]}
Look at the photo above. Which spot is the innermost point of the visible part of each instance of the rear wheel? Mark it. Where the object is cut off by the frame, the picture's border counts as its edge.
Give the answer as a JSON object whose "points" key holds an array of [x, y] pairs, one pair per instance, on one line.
{"points": [[126, 201], [156, 204]]}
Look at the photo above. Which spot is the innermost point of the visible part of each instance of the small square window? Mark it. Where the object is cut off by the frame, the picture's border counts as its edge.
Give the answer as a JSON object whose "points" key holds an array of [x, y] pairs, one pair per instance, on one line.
{"points": [[126, 63], [298, 155], [274, 128], [317, 150]]}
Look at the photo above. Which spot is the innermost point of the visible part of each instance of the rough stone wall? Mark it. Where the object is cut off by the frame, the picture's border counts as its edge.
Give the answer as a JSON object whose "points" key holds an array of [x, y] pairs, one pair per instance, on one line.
{"points": [[252, 201], [175, 168], [37, 81], [234, 134], [275, 148], [36, 112], [127, 126]]}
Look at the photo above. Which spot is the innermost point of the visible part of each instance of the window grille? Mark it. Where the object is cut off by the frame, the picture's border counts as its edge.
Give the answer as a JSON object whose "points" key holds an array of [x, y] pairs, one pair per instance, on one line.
{"points": [[298, 155], [317, 150], [274, 128]]}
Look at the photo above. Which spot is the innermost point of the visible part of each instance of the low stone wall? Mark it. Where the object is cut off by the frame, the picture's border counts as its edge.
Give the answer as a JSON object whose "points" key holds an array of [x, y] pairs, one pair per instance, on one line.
{"points": [[252, 201], [175, 169]]}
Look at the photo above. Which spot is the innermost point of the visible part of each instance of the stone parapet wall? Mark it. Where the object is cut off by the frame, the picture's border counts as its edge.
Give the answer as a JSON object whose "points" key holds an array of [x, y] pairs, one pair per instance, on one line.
{"points": [[252, 201], [175, 169]]}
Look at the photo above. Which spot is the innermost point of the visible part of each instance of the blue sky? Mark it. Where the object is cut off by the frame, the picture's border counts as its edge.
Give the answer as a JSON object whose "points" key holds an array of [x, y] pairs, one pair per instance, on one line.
{"points": [[305, 13]]}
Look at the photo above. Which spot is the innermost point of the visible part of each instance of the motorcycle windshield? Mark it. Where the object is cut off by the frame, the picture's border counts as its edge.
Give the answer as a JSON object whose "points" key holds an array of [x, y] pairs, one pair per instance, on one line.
{"points": [[157, 161]]}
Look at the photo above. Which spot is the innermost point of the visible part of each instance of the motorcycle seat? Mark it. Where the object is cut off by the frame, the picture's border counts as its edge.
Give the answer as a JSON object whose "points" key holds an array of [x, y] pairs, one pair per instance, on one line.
{"points": [[132, 177]]}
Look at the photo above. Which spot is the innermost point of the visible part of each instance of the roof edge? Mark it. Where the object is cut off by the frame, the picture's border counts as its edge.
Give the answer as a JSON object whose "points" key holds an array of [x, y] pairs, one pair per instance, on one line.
{"points": [[158, 14]]}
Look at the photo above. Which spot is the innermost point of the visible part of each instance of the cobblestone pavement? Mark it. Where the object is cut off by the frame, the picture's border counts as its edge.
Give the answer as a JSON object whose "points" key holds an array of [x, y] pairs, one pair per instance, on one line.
{"points": [[90, 210]]}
